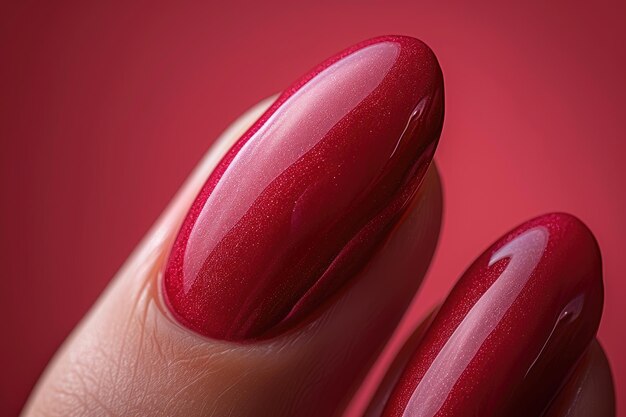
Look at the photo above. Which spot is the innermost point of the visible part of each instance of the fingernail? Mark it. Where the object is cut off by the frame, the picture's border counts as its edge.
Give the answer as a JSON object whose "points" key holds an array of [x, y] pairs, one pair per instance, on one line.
{"points": [[512, 329], [302, 200]]}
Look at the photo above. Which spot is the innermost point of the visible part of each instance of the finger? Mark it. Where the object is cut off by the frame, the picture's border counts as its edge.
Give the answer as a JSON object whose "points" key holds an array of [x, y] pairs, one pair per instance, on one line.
{"points": [[126, 351], [131, 356], [511, 330], [589, 391]]}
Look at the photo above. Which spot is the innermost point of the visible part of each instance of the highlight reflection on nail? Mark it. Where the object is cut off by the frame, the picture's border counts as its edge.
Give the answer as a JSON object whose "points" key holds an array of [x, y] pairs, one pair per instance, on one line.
{"points": [[511, 329], [524, 252]]}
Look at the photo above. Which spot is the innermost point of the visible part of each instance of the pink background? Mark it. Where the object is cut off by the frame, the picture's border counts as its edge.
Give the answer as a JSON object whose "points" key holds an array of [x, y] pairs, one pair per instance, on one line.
{"points": [[105, 109]]}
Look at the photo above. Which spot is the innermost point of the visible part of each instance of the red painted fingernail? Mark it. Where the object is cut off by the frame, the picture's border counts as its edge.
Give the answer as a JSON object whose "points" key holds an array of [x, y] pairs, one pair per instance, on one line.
{"points": [[302, 200], [512, 328]]}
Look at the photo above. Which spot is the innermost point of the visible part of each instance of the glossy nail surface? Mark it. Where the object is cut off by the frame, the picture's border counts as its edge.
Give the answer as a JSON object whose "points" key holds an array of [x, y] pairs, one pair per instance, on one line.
{"points": [[304, 197], [511, 330]]}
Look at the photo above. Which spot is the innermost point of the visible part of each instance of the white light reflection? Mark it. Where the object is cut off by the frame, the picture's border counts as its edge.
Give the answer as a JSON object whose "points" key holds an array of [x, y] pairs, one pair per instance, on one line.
{"points": [[296, 127], [525, 252]]}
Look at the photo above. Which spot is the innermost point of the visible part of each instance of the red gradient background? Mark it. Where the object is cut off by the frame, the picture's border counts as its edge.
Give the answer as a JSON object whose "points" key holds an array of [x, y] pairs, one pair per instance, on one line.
{"points": [[105, 108]]}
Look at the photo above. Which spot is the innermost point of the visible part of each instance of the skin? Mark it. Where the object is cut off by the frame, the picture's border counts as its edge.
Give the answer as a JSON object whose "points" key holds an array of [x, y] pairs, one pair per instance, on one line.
{"points": [[129, 357]]}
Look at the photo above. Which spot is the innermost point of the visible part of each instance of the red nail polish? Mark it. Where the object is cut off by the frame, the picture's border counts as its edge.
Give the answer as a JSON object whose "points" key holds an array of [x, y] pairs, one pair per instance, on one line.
{"points": [[304, 197], [512, 328]]}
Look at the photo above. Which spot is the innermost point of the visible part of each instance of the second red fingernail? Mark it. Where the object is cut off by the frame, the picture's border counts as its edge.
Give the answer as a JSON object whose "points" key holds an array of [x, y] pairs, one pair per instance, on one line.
{"points": [[512, 328]]}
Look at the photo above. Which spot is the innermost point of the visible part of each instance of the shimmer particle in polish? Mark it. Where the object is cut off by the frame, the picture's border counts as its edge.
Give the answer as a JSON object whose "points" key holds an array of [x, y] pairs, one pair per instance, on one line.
{"points": [[305, 197], [511, 330]]}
